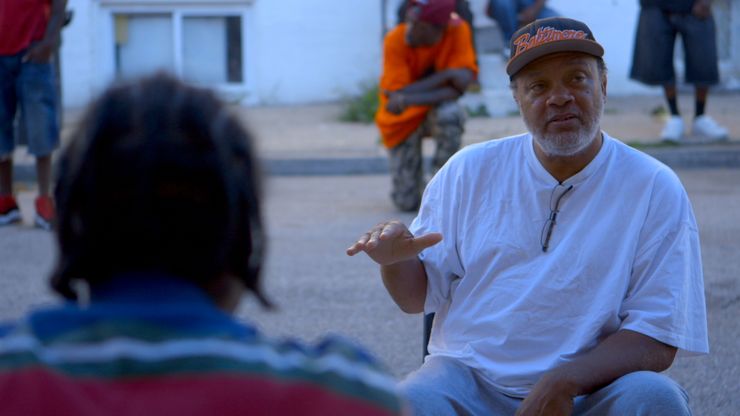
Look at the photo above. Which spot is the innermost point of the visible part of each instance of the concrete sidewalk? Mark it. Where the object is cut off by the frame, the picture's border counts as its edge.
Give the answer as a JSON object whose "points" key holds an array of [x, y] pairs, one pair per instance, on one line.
{"points": [[310, 139]]}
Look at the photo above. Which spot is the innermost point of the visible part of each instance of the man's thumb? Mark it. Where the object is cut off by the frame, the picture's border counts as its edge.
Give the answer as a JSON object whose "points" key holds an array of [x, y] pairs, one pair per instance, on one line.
{"points": [[426, 240]]}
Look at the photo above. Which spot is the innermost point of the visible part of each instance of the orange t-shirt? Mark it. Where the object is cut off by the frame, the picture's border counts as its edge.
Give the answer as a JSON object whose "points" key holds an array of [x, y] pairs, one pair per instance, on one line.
{"points": [[404, 65]]}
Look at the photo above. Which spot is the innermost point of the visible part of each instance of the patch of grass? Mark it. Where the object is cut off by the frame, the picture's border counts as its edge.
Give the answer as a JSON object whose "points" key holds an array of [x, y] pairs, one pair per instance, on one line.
{"points": [[361, 108], [659, 111], [480, 111]]}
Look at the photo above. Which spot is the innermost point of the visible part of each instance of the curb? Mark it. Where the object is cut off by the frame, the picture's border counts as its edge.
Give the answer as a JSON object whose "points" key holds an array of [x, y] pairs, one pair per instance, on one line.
{"points": [[684, 157], [711, 156], [698, 157]]}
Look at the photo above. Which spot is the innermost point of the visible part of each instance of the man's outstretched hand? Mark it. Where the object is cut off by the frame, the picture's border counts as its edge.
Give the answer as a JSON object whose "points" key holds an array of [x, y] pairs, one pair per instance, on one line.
{"points": [[391, 242]]}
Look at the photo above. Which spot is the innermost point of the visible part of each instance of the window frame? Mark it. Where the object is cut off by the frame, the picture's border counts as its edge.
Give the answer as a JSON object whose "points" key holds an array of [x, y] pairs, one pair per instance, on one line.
{"points": [[178, 10]]}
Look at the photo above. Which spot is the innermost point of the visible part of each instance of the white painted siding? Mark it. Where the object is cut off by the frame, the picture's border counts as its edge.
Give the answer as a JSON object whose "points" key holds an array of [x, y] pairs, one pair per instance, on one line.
{"points": [[298, 51], [314, 50], [614, 23]]}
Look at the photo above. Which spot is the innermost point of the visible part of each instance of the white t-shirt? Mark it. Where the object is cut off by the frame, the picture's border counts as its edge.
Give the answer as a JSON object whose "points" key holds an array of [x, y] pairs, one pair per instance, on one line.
{"points": [[624, 254]]}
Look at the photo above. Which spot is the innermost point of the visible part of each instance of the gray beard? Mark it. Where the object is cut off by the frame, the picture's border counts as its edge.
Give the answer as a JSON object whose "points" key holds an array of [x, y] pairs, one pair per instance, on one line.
{"points": [[568, 144]]}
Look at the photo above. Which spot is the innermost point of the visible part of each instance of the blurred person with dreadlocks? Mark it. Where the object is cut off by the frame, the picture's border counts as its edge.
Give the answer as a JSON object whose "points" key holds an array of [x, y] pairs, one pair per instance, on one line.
{"points": [[160, 235], [428, 63]]}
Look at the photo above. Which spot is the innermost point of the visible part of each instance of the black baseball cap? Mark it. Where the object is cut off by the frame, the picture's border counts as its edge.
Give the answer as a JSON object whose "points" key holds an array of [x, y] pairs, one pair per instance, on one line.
{"points": [[547, 36]]}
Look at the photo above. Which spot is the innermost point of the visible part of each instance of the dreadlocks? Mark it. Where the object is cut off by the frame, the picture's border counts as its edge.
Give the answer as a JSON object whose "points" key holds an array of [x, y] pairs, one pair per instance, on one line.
{"points": [[158, 177]]}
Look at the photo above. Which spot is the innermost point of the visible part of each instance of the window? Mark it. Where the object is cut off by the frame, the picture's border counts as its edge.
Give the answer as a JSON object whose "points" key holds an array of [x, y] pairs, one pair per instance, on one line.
{"points": [[212, 49], [144, 44], [205, 49]]}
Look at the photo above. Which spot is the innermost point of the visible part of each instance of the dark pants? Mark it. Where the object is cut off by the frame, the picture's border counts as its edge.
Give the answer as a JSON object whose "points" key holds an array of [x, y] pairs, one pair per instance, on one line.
{"points": [[657, 31]]}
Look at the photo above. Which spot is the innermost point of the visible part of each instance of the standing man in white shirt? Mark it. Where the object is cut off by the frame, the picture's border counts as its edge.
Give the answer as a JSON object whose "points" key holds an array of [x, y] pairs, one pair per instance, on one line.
{"points": [[562, 265]]}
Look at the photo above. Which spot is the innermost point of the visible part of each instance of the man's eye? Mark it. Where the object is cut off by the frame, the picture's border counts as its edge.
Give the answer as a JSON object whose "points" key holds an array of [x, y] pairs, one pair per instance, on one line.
{"points": [[537, 87]]}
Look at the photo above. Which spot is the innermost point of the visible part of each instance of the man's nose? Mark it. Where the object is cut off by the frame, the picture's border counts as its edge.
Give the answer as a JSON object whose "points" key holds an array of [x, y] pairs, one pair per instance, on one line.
{"points": [[559, 95]]}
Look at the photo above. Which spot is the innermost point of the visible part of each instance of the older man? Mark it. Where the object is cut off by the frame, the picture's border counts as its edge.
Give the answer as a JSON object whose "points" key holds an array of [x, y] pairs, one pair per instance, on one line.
{"points": [[428, 63], [563, 266]]}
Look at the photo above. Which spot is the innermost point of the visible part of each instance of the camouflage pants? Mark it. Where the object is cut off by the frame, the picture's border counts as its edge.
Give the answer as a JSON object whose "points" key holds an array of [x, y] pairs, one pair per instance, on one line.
{"points": [[445, 124]]}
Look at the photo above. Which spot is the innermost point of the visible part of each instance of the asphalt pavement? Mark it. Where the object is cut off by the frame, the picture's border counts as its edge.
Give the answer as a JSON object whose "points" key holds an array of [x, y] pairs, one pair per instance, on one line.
{"points": [[320, 198]]}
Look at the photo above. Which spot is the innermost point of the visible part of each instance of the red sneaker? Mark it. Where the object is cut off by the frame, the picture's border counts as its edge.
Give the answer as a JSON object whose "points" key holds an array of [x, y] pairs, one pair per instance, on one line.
{"points": [[46, 215], [9, 212]]}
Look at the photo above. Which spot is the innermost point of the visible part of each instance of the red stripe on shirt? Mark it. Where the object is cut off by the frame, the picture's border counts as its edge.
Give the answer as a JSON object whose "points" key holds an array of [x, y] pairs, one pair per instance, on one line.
{"points": [[37, 391]]}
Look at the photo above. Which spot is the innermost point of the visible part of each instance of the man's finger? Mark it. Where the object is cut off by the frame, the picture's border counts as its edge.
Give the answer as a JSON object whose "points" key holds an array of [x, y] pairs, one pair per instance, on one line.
{"points": [[352, 250], [392, 230], [372, 242], [359, 245]]}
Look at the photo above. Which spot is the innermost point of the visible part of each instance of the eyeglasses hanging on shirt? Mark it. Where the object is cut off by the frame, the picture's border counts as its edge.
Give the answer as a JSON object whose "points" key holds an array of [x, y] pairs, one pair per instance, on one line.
{"points": [[547, 229]]}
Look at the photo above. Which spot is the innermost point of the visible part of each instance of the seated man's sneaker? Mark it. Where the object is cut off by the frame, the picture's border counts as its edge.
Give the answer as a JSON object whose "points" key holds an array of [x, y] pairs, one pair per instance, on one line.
{"points": [[9, 212], [673, 130], [706, 127], [45, 213]]}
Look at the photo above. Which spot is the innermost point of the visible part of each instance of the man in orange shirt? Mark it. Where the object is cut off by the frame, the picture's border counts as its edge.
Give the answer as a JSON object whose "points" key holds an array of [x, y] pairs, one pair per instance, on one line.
{"points": [[428, 63]]}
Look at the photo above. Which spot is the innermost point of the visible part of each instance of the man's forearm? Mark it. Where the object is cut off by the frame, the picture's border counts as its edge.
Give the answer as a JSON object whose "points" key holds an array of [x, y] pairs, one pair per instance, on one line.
{"points": [[406, 282], [56, 21], [458, 78], [432, 97], [437, 88], [619, 354], [432, 82]]}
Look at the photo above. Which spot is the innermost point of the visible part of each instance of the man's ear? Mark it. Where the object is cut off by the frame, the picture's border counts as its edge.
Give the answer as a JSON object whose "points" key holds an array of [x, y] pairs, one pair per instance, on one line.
{"points": [[603, 86], [513, 88]]}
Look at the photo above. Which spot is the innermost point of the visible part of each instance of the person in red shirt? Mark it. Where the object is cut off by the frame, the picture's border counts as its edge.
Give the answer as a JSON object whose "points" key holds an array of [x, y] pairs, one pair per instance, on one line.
{"points": [[29, 38], [428, 63]]}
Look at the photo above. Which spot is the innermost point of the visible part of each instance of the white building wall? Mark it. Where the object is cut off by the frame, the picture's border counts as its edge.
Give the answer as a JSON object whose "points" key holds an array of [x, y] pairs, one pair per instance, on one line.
{"points": [[315, 50], [614, 23], [77, 56], [298, 51], [295, 51]]}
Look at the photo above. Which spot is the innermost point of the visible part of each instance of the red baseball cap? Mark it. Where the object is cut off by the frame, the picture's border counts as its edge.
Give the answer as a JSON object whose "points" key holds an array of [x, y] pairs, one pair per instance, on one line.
{"points": [[436, 12]]}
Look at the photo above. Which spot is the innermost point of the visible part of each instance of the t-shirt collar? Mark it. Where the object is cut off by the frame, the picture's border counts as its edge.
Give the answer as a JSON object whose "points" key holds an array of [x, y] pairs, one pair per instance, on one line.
{"points": [[543, 175]]}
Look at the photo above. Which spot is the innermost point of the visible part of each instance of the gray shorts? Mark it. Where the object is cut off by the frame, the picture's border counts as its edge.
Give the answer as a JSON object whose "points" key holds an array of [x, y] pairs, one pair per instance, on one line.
{"points": [[444, 386], [652, 62]]}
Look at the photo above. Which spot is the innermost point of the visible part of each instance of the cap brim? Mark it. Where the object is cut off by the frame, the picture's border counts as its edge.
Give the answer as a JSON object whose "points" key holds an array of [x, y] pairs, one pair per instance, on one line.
{"points": [[567, 45]]}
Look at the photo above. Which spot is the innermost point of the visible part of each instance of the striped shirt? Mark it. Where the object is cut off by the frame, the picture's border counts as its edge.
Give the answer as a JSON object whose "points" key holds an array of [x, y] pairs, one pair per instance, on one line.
{"points": [[161, 347]]}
